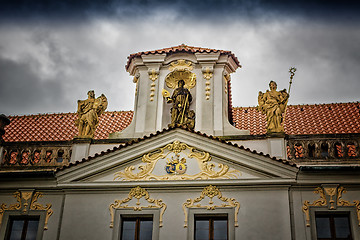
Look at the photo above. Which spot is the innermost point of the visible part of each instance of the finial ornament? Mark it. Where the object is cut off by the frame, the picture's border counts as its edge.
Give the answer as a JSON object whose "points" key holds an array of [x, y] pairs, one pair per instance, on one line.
{"points": [[89, 111]]}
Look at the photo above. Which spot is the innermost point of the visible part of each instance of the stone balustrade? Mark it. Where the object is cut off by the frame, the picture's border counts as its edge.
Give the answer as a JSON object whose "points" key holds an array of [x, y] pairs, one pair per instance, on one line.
{"points": [[42, 156]]}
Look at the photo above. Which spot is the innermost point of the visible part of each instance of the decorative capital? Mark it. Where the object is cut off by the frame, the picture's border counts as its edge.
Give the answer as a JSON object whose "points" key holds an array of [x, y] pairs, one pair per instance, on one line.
{"points": [[153, 74]]}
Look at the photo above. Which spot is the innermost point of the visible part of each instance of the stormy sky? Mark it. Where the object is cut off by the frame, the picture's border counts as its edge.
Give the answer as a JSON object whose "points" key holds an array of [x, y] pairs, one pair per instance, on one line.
{"points": [[53, 52]]}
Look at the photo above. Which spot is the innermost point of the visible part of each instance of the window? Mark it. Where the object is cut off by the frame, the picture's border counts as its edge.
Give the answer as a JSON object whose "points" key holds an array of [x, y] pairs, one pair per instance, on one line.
{"points": [[333, 226], [136, 228], [22, 228], [211, 228]]}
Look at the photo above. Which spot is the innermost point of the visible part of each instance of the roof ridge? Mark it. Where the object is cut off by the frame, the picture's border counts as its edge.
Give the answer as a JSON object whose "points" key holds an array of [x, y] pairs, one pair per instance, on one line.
{"points": [[62, 113], [151, 135], [295, 105]]}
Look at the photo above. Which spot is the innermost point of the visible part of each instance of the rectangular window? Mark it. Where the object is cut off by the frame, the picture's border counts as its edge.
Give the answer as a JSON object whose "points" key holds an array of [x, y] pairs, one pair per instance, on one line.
{"points": [[22, 228], [211, 228], [333, 226], [136, 228]]}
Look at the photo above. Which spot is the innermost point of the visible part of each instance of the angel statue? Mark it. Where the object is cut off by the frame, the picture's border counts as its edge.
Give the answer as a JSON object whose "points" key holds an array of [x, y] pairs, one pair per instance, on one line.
{"points": [[273, 104], [89, 111]]}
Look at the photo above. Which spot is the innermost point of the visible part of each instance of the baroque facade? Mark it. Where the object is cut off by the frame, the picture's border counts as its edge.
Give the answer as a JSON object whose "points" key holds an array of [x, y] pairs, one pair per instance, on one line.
{"points": [[185, 164]]}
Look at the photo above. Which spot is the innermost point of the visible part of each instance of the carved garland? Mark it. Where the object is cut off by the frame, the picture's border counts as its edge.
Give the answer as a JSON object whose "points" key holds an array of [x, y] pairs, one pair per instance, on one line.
{"points": [[207, 170], [22, 204], [211, 192], [138, 193], [153, 76], [332, 204], [207, 74]]}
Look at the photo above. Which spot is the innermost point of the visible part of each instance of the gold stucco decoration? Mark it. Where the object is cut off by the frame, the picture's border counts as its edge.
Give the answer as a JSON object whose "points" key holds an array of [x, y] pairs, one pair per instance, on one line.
{"points": [[211, 192], [334, 195], [207, 169], [180, 70], [138, 193], [88, 112], [153, 76], [207, 74], [181, 65], [27, 201], [226, 80]]}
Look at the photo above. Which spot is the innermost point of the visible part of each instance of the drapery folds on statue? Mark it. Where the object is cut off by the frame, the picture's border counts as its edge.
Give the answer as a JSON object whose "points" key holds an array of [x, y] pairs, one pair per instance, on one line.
{"points": [[273, 104], [89, 111], [180, 113]]}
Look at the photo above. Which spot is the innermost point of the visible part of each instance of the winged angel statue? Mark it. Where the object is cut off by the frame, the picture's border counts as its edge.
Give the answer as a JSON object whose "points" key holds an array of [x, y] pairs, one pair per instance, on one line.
{"points": [[89, 111]]}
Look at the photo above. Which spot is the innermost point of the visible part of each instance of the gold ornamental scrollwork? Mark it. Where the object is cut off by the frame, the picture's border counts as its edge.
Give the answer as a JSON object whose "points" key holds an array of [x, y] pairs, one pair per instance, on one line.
{"points": [[27, 201], [208, 170], [138, 193], [211, 192], [180, 70], [335, 200]]}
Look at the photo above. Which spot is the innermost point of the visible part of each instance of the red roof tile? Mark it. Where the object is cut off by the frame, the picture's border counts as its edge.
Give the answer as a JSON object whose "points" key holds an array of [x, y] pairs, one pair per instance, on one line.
{"points": [[331, 118], [181, 48], [300, 119], [60, 127]]}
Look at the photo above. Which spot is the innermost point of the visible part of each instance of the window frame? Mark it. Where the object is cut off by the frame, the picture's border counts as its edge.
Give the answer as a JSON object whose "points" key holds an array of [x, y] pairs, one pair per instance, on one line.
{"points": [[218, 212], [130, 213], [350, 211], [17, 213]]}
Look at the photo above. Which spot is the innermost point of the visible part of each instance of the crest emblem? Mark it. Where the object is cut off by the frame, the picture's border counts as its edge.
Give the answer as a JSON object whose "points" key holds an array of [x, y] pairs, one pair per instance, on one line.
{"points": [[176, 166]]}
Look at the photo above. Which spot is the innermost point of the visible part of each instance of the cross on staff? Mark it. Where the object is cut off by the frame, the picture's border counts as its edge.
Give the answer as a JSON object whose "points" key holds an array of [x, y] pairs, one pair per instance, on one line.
{"points": [[292, 71]]}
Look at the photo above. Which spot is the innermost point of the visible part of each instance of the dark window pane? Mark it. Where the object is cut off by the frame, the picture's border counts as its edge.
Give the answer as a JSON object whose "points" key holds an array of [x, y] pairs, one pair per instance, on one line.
{"points": [[32, 230], [202, 229], [16, 229], [342, 228], [128, 230], [146, 227], [323, 227], [220, 229]]}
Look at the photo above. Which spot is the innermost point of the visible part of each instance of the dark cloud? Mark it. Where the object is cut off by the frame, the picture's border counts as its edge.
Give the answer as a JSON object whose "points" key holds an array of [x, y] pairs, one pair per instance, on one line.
{"points": [[65, 10], [21, 90]]}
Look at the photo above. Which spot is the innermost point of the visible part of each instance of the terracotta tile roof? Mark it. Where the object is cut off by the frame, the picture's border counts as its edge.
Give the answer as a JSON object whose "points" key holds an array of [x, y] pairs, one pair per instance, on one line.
{"points": [[131, 142], [181, 48], [61, 126], [331, 118], [300, 119]]}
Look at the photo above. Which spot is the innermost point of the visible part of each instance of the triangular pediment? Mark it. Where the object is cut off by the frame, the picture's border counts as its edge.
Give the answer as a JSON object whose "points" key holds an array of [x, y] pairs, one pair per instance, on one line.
{"points": [[177, 155]]}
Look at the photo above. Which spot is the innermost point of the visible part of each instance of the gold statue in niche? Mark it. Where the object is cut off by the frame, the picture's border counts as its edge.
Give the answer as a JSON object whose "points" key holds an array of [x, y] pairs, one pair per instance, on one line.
{"points": [[89, 111], [273, 104], [181, 99], [181, 79]]}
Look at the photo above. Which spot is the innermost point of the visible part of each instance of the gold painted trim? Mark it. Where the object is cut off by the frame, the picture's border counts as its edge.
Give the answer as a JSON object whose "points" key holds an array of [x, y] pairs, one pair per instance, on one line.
{"points": [[23, 198], [138, 193], [332, 204], [207, 168], [211, 192]]}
